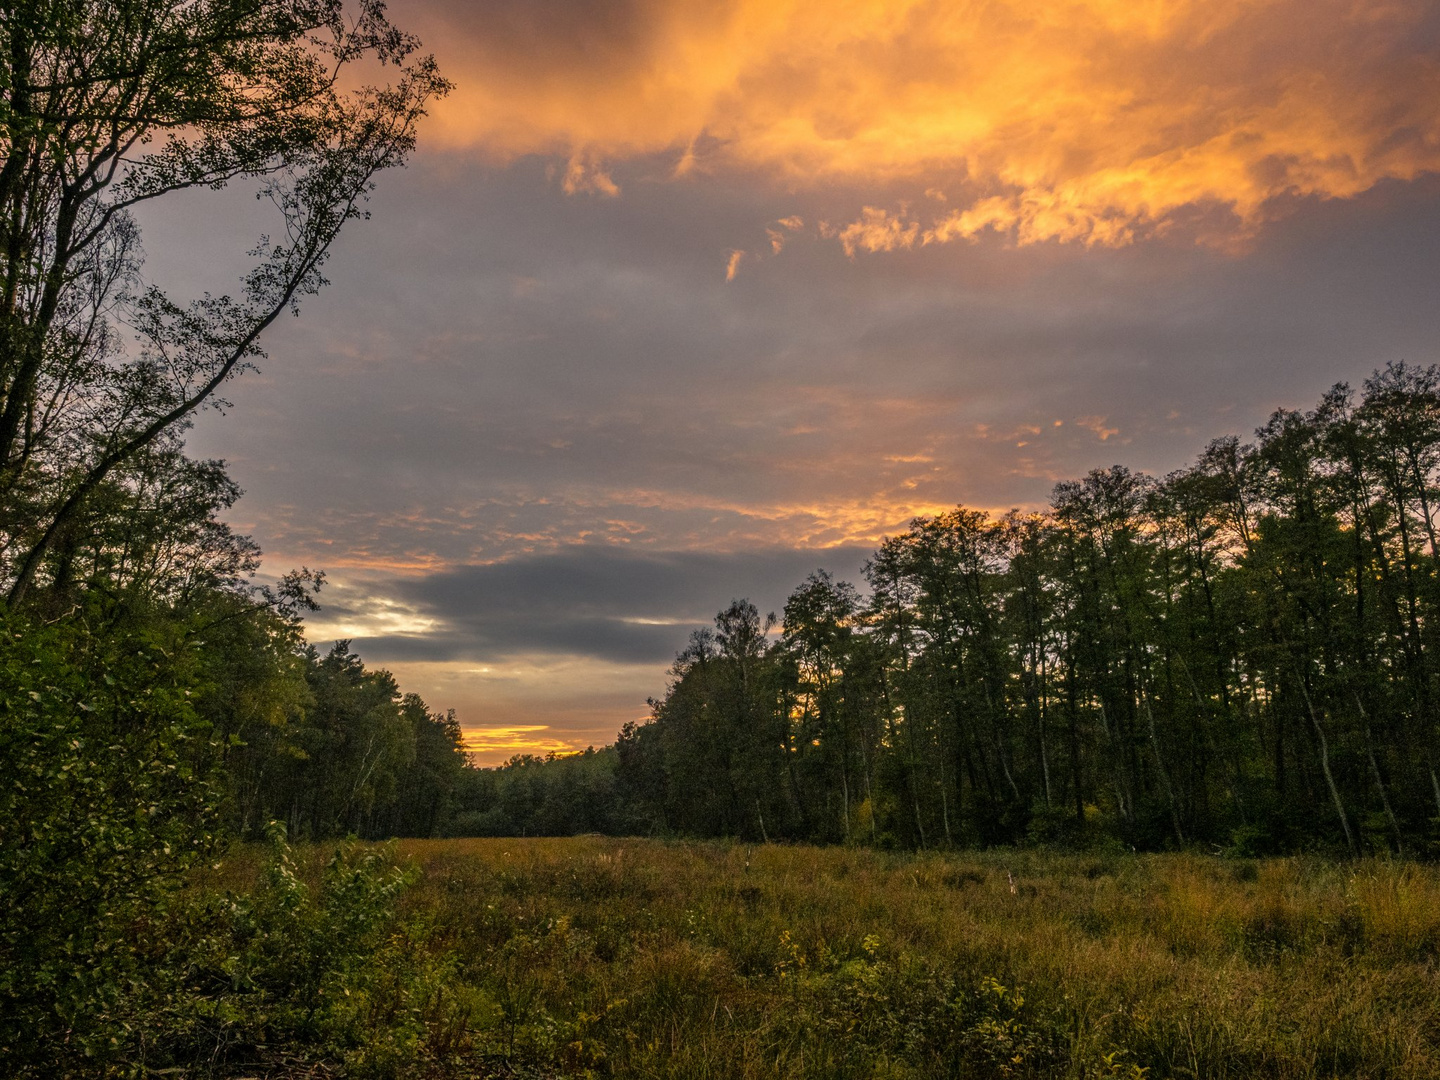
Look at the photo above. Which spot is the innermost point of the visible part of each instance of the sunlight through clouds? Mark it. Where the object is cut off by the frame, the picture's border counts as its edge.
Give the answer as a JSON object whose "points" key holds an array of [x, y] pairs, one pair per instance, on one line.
{"points": [[379, 616], [1093, 121]]}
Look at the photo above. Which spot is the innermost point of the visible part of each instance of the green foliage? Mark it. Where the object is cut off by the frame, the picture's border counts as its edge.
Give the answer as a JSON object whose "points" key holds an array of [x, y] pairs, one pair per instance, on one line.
{"points": [[589, 957], [286, 970], [112, 789], [296, 955], [560, 795], [107, 796], [129, 734], [328, 746], [906, 1011], [292, 970], [148, 693]]}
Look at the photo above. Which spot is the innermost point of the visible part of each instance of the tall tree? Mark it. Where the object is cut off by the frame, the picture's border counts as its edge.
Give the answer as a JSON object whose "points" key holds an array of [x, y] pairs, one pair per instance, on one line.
{"points": [[106, 105]]}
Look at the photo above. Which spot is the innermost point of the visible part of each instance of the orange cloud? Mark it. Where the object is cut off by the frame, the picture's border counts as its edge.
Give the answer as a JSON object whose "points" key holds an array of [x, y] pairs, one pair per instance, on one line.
{"points": [[1076, 120], [585, 172], [1097, 425], [876, 230]]}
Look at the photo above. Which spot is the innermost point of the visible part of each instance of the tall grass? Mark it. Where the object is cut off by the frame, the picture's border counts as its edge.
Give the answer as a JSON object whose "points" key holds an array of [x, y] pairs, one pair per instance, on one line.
{"points": [[597, 957]]}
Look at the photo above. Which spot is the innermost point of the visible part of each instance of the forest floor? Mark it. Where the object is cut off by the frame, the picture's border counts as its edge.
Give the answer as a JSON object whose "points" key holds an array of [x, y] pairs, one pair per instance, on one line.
{"points": [[597, 957]]}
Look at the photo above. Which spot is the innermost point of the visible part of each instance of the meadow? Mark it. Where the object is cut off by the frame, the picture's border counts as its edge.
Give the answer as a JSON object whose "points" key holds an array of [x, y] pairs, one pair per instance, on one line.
{"points": [[594, 956]]}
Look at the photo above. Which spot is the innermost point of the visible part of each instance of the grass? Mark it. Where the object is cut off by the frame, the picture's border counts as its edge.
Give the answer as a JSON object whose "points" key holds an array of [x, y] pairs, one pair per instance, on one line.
{"points": [[600, 957]]}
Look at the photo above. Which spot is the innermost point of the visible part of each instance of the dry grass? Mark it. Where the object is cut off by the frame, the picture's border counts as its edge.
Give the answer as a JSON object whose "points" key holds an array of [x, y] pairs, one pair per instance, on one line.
{"points": [[595, 956]]}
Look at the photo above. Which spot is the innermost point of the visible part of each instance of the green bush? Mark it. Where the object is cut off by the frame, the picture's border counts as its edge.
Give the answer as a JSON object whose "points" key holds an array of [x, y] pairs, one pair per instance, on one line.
{"points": [[111, 788], [106, 798], [314, 972]]}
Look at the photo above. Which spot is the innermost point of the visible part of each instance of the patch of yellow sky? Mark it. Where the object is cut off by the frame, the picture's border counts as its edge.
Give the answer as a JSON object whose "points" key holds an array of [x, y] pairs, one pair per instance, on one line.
{"points": [[495, 745], [1095, 121]]}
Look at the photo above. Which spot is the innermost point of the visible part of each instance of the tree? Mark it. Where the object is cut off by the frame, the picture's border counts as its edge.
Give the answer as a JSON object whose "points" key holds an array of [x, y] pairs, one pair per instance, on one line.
{"points": [[106, 105], [825, 734], [152, 646]]}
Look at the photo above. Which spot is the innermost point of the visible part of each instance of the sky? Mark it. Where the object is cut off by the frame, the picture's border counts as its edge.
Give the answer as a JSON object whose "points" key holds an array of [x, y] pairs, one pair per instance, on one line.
{"points": [[679, 302]]}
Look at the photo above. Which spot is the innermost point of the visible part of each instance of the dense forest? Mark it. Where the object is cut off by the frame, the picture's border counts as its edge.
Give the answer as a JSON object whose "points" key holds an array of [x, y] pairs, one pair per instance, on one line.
{"points": [[1243, 655]]}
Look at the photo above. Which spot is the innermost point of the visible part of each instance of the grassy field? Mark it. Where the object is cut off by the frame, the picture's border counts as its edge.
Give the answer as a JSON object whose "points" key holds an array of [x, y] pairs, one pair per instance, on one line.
{"points": [[599, 957]]}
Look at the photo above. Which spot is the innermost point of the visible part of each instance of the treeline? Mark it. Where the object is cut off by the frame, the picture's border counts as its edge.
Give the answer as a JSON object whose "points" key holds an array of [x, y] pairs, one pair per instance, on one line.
{"points": [[554, 795], [1243, 655], [279, 730], [352, 755], [154, 706]]}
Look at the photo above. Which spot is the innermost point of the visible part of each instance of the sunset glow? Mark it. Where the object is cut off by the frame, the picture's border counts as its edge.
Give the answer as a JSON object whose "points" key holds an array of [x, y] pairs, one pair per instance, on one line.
{"points": [[493, 745], [1090, 121], [680, 302]]}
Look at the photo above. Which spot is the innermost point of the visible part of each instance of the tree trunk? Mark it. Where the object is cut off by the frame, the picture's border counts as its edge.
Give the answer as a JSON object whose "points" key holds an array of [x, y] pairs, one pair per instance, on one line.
{"points": [[1329, 776]]}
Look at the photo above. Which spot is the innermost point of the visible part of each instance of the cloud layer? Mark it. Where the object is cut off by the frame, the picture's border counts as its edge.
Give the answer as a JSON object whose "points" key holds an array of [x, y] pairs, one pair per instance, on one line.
{"points": [[615, 328], [553, 650], [1084, 120], [612, 605]]}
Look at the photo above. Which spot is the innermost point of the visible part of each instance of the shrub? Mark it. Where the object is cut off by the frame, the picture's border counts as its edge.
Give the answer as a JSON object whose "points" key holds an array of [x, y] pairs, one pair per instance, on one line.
{"points": [[106, 799], [324, 972]]}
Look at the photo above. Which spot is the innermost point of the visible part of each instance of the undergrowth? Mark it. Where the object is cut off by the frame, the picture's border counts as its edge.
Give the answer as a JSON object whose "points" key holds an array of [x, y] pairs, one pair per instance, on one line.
{"points": [[594, 957]]}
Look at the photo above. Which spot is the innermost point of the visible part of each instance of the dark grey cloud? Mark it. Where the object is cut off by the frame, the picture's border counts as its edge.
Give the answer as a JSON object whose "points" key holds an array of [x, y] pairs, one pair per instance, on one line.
{"points": [[615, 605], [472, 325], [499, 366]]}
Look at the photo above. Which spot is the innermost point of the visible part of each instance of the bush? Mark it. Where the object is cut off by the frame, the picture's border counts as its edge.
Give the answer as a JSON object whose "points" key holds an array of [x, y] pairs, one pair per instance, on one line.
{"points": [[293, 971], [106, 799]]}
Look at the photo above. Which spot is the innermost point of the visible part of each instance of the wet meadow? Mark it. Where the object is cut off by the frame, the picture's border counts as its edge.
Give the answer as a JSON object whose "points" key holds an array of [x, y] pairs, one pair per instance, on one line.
{"points": [[591, 956]]}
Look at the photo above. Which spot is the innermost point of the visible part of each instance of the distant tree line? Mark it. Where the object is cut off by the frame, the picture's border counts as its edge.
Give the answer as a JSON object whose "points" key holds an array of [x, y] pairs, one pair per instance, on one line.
{"points": [[343, 752], [554, 795], [1244, 654]]}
